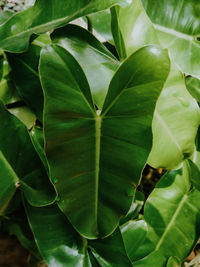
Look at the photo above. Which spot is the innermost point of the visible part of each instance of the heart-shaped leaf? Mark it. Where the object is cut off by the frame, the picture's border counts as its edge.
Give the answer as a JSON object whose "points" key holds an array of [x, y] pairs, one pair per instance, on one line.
{"points": [[96, 159]]}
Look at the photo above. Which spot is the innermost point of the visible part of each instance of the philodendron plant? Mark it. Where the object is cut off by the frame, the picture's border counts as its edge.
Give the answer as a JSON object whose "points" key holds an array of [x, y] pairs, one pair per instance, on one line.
{"points": [[81, 115]]}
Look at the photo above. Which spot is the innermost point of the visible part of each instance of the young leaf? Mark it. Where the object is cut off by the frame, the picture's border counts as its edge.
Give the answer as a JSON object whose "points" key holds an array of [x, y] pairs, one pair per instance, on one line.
{"points": [[44, 16], [176, 121], [91, 55], [93, 156], [21, 161]]}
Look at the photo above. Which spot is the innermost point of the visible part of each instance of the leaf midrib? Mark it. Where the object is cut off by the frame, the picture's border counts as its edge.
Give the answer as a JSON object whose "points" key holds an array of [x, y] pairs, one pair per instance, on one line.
{"points": [[165, 126], [171, 223]]}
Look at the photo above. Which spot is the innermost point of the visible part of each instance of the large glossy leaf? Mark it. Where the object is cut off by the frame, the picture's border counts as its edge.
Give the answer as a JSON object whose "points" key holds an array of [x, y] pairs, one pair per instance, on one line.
{"points": [[177, 26], [96, 159], [135, 27], [21, 163], [61, 246], [91, 55], [44, 16], [171, 211], [175, 124], [25, 75]]}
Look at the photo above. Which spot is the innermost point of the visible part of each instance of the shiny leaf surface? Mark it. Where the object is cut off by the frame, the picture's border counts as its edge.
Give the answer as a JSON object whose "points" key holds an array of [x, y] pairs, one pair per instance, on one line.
{"points": [[44, 16], [176, 121], [91, 55], [134, 234], [72, 128], [166, 214], [61, 246], [177, 26]]}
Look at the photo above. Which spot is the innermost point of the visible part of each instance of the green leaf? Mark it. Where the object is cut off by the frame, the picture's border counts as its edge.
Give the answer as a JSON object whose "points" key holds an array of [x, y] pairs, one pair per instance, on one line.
{"points": [[4, 16], [193, 86], [25, 115], [177, 26], [44, 16], [61, 245], [135, 208], [194, 174], [173, 262], [21, 161], [101, 23], [116, 32], [135, 27], [154, 259], [134, 234], [8, 184], [172, 211], [91, 55], [25, 75], [96, 188], [176, 120], [115, 255], [37, 138]]}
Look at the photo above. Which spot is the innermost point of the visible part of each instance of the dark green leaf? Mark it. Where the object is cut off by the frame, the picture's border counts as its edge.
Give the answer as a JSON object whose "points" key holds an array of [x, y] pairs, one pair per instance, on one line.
{"points": [[25, 75], [44, 16], [21, 162], [55, 237], [96, 188], [134, 234], [91, 55], [110, 252]]}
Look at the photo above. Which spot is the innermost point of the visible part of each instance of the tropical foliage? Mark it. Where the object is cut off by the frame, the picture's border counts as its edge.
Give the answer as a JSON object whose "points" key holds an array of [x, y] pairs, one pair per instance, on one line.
{"points": [[82, 113]]}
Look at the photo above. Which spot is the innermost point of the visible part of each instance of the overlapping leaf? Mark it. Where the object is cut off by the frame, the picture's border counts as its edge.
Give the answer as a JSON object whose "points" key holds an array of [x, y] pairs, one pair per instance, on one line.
{"points": [[60, 245], [176, 121], [44, 16], [96, 160], [171, 214], [177, 25], [20, 163], [91, 55]]}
